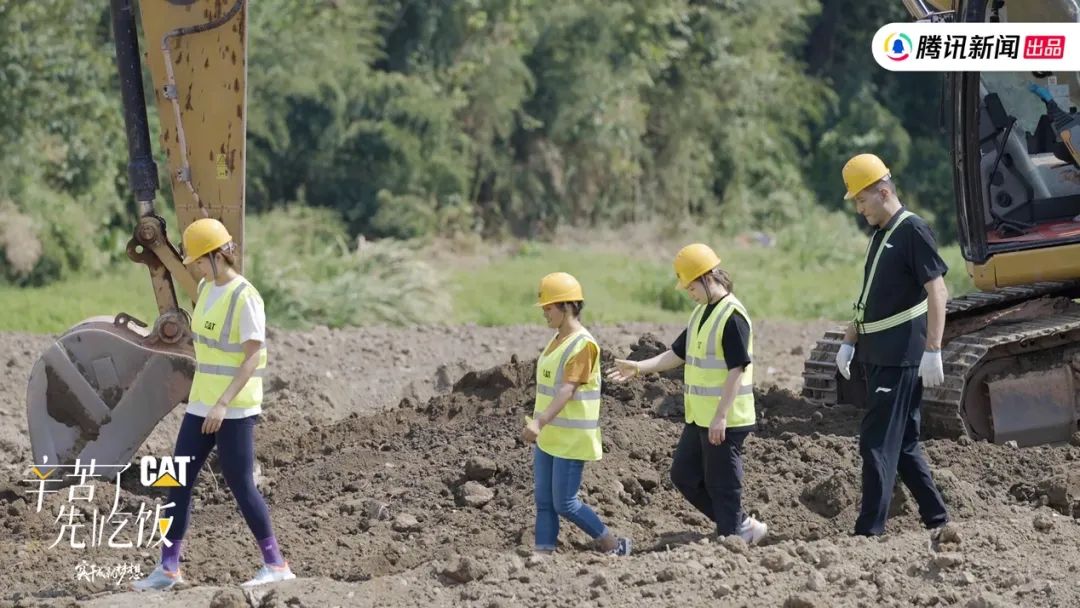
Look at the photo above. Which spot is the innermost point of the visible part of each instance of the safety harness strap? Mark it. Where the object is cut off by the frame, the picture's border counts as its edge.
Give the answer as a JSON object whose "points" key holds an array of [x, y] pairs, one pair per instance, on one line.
{"points": [[860, 307], [898, 319]]}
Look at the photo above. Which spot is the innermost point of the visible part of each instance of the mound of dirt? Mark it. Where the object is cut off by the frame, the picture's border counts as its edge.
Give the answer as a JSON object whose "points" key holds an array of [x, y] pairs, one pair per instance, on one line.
{"points": [[431, 503], [832, 495], [337, 372], [1060, 491]]}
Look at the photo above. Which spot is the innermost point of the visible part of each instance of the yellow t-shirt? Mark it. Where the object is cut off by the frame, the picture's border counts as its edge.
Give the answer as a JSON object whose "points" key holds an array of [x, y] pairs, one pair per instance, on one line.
{"points": [[579, 367]]}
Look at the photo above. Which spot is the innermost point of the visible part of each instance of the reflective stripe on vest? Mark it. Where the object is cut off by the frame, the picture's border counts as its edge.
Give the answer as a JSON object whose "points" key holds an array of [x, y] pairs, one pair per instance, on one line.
{"points": [[226, 370], [575, 424], [706, 370], [580, 395], [710, 360], [219, 352], [715, 391], [860, 307], [575, 432]]}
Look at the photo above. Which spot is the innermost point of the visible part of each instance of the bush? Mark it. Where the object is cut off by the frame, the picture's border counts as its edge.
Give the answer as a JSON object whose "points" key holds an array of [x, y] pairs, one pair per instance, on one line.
{"points": [[403, 216], [658, 289], [18, 242], [821, 239], [308, 274]]}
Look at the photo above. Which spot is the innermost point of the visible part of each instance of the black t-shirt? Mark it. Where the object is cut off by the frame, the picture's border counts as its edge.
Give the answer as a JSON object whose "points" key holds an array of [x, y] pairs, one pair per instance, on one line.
{"points": [[735, 341], [910, 260]]}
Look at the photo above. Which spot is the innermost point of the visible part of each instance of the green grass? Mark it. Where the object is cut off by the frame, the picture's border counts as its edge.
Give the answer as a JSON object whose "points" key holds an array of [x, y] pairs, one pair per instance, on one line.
{"points": [[808, 270], [56, 307], [309, 273], [616, 288], [957, 279], [771, 282], [799, 279], [303, 265]]}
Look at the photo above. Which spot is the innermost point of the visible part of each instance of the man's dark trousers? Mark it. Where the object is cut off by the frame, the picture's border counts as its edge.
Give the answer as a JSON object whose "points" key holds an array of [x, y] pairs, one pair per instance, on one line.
{"points": [[889, 444]]}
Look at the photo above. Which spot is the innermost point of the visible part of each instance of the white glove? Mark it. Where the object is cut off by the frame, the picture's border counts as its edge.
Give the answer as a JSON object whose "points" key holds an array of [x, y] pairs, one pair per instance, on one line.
{"points": [[930, 369], [843, 359]]}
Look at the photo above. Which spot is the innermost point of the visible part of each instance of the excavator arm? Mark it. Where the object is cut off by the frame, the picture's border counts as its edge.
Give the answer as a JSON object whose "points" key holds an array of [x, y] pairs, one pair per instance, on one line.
{"points": [[99, 390], [197, 56]]}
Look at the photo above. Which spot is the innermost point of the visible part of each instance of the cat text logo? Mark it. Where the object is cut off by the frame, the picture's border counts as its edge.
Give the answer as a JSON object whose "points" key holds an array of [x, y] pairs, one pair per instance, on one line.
{"points": [[168, 472]]}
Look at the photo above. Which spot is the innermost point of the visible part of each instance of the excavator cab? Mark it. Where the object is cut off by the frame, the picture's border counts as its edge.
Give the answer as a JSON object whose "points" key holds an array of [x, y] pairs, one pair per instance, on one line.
{"points": [[99, 390], [1016, 145], [1018, 174], [1011, 351]]}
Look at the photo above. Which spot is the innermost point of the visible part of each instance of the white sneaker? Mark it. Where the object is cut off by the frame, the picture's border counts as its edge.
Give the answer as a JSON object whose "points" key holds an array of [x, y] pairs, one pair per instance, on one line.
{"points": [[270, 574], [160, 579], [752, 531], [622, 548]]}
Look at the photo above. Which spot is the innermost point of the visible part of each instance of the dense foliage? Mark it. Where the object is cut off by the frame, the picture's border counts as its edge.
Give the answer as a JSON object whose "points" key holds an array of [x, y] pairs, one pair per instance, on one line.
{"points": [[498, 117]]}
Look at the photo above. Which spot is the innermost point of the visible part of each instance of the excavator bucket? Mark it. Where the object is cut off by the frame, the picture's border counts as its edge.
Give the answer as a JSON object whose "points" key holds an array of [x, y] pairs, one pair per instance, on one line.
{"points": [[98, 392]]}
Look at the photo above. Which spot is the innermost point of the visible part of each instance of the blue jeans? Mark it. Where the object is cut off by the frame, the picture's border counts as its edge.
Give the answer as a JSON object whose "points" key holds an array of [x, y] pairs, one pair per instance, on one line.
{"points": [[557, 481]]}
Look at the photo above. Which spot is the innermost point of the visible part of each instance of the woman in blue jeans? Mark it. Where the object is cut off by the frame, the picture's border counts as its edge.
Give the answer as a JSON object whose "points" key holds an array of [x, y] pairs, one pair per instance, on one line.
{"points": [[566, 419]]}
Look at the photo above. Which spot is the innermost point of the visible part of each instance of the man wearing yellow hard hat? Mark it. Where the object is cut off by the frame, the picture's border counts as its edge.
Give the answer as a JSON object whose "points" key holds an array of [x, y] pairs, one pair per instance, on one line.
{"points": [[716, 348], [896, 336], [566, 419], [228, 324]]}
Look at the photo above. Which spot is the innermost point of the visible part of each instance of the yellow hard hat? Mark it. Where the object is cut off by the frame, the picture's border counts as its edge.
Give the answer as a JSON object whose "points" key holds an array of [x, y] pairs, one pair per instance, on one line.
{"points": [[861, 171], [202, 237], [693, 261], [558, 287]]}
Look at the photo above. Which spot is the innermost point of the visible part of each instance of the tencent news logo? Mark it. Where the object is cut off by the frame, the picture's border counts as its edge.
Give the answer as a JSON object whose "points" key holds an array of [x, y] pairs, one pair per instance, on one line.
{"points": [[978, 47], [898, 47]]}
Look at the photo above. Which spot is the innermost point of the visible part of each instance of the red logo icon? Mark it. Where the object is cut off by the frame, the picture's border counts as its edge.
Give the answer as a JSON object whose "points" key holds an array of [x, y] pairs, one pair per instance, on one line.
{"points": [[1044, 47]]}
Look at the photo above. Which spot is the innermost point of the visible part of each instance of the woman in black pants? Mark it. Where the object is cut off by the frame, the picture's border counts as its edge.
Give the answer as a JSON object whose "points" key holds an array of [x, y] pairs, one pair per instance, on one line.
{"points": [[718, 393]]}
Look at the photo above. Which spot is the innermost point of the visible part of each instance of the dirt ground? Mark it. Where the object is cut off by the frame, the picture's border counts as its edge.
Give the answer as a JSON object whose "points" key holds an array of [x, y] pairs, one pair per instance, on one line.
{"points": [[395, 477]]}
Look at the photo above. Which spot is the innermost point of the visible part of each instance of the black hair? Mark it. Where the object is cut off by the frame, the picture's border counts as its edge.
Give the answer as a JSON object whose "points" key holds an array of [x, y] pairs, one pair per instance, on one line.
{"points": [[228, 251], [721, 276], [575, 307]]}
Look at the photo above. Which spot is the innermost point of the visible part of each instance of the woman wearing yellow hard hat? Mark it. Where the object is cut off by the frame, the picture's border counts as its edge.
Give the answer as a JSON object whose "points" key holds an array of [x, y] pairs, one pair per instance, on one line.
{"points": [[718, 394], [566, 419], [229, 330]]}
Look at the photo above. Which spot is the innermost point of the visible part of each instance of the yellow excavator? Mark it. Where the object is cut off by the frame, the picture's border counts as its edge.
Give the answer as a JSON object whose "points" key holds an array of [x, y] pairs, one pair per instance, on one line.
{"points": [[99, 390], [1012, 350]]}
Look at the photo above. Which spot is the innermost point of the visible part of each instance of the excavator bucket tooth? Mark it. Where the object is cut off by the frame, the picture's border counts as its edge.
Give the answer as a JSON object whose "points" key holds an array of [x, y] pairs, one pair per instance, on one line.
{"points": [[97, 392]]}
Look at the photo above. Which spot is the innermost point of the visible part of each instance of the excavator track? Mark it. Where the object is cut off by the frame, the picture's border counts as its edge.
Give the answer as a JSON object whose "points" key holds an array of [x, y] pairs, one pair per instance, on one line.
{"points": [[979, 329], [946, 410]]}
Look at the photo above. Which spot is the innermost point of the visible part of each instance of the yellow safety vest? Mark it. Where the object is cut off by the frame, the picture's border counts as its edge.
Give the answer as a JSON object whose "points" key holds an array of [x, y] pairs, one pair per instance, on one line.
{"points": [[860, 307], [706, 370], [575, 432], [219, 351]]}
